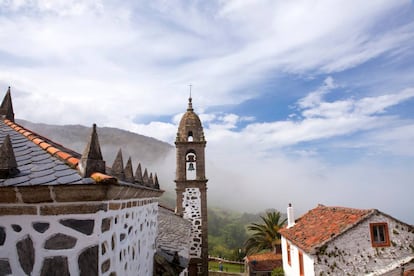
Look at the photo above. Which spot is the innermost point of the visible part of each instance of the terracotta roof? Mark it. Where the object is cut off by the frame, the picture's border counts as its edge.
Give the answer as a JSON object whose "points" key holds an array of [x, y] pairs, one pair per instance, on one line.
{"points": [[264, 261], [322, 224]]}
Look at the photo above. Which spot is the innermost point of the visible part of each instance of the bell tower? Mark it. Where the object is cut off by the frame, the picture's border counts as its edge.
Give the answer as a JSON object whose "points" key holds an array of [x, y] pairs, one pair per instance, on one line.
{"points": [[191, 187]]}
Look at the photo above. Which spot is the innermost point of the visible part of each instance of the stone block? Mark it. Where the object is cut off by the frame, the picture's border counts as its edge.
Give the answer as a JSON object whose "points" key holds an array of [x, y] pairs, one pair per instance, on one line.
{"points": [[72, 209], [17, 210], [84, 226], [26, 254], [40, 227], [88, 262], [55, 266], [60, 241], [106, 224], [2, 235], [70, 193], [16, 227], [106, 266], [8, 195], [5, 268], [35, 194]]}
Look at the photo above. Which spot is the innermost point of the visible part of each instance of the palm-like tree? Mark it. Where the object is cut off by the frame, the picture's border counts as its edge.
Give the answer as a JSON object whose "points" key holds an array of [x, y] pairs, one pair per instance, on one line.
{"points": [[265, 236]]}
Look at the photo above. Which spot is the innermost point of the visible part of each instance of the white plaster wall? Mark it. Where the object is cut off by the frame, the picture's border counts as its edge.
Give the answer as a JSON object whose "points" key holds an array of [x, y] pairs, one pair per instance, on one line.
{"points": [[192, 212], [293, 268], [9, 250], [139, 223], [134, 254], [308, 265], [353, 254]]}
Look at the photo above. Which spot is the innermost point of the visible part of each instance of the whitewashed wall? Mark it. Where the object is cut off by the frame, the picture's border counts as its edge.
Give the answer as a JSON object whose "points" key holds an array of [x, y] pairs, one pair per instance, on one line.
{"points": [[192, 212], [293, 268], [353, 254], [122, 239]]}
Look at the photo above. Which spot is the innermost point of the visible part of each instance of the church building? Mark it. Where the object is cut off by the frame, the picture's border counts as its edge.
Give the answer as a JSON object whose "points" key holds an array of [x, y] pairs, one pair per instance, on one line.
{"points": [[66, 213]]}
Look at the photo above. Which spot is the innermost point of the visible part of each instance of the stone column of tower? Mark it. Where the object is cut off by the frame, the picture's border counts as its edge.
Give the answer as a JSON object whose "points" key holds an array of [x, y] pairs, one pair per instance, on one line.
{"points": [[191, 187]]}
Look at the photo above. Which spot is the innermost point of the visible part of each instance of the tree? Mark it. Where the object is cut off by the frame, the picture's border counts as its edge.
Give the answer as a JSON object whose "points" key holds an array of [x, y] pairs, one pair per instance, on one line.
{"points": [[265, 236]]}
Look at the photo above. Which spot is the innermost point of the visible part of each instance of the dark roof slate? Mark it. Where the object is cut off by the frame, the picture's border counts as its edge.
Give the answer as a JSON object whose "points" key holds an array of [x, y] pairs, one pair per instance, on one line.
{"points": [[36, 165], [173, 236]]}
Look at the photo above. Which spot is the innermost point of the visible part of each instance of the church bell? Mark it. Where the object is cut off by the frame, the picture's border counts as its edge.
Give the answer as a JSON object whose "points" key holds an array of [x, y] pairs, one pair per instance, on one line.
{"points": [[191, 167]]}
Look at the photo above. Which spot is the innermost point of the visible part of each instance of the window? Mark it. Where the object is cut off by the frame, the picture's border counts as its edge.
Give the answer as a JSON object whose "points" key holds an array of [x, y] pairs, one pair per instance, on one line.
{"points": [[379, 234], [288, 253], [190, 136], [301, 270]]}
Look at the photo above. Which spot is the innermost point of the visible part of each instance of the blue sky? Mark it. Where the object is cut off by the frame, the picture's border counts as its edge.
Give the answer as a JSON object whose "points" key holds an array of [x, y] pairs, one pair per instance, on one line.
{"points": [[302, 101]]}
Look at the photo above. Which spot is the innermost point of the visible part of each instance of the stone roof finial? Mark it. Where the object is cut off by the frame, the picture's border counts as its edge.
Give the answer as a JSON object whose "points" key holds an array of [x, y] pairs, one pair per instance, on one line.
{"points": [[138, 175], [156, 184], [6, 108], [129, 174], [151, 181], [91, 160], [118, 166], [145, 179], [8, 164]]}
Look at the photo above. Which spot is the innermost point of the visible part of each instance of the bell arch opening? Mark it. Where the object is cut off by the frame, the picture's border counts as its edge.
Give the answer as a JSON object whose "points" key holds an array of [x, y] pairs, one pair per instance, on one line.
{"points": [[191, 165]]}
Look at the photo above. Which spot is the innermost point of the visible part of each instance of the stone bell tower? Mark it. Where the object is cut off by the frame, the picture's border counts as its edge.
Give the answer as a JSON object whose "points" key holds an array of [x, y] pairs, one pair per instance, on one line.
{"points": [[191, 187]]}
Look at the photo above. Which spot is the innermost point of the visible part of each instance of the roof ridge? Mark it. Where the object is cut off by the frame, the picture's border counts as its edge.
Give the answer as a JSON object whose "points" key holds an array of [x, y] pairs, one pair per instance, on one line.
{"points": [[44, 143], [58, 151]]}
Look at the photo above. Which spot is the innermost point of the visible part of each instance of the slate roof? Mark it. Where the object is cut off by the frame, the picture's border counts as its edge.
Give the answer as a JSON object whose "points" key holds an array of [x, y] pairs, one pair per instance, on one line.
{"points": [[264, 261], [39, 160], [321, 224], [173, 236]]}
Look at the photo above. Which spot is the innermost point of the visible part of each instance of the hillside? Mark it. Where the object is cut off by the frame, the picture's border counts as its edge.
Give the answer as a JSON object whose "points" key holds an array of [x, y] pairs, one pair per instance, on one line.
{"points": [[144, 149], [227, 227]]}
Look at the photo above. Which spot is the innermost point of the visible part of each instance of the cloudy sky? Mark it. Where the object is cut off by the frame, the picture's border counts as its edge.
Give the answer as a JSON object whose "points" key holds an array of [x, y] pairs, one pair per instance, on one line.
{"points": [[302, 101]]}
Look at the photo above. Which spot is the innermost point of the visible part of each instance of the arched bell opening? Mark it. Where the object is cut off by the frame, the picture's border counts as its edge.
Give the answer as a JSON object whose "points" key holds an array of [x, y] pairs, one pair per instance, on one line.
{"points": [[190, 137], [191, 165]]}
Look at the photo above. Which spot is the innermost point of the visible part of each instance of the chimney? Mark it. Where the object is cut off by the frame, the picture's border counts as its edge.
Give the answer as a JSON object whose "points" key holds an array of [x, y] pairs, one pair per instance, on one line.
{"points": [[290, 216]]}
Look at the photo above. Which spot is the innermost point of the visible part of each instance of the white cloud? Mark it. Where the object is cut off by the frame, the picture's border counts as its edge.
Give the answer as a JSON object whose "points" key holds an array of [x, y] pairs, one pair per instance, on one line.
{"points": [[141, 52], [112, 62], [314, 98]]}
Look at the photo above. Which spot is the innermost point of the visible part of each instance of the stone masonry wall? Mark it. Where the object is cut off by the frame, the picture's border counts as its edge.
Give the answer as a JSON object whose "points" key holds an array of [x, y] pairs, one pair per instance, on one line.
{"points": [[192, 212], [353, 254], [75, 239]]}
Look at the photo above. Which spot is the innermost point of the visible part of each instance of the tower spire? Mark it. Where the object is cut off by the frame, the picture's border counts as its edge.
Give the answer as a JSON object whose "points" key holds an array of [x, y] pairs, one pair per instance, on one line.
{"points": [[190, 101]]}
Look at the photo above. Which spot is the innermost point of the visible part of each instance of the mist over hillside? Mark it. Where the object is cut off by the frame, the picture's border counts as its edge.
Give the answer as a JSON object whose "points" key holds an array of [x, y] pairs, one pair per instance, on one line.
{"points": [[155, 155], [158, 157]]}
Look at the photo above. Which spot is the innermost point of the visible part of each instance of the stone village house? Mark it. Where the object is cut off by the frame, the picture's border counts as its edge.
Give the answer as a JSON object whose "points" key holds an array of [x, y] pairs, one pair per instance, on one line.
{"points": [[346, 241], [65, 213]]}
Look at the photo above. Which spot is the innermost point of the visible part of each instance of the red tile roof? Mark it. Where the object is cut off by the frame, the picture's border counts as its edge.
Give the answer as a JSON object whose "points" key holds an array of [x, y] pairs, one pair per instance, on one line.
{"points": [[322, 224], [264, 261]]}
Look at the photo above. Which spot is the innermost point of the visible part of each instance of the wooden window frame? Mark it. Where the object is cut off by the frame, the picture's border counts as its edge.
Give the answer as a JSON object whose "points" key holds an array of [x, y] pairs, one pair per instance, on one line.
{"points": [[301, 264], [289, 257], [386, 241]]}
